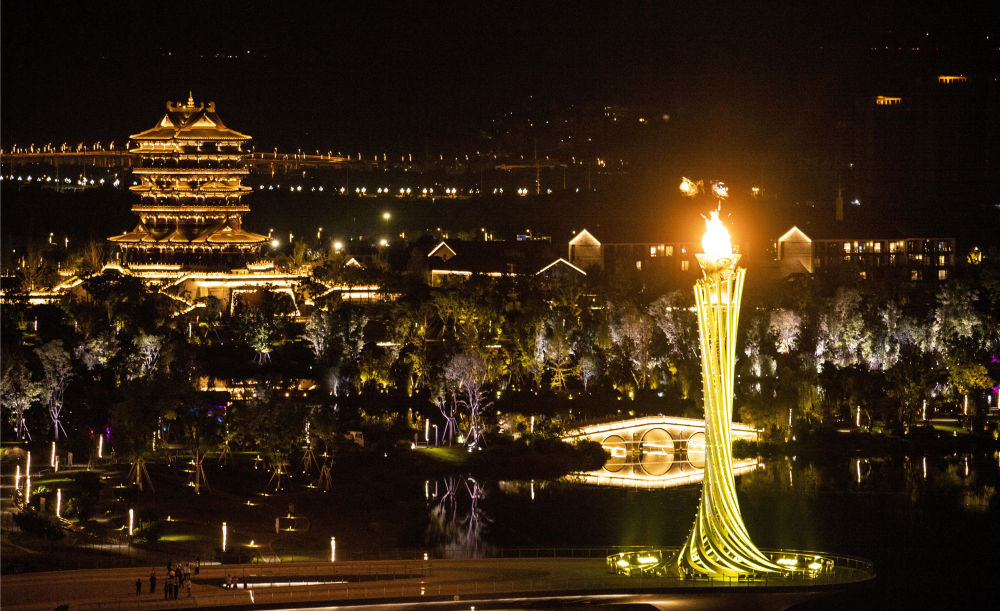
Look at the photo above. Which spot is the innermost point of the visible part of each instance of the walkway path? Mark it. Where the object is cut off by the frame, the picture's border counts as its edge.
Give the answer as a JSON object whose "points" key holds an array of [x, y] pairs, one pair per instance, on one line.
{"points": [[354, 583]]}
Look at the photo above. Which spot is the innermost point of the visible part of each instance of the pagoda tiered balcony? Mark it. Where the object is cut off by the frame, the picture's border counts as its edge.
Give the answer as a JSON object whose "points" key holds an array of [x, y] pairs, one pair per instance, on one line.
{"points": [[188, 171], [188, 209]]}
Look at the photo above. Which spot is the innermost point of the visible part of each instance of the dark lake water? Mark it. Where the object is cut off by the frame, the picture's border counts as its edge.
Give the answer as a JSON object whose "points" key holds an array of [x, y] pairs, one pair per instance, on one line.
{"points": [[931, 524]]}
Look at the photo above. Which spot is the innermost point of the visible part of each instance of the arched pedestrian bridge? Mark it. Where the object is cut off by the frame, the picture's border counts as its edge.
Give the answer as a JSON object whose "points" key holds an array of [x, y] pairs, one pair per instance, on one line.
{"points": [[654, 451]]}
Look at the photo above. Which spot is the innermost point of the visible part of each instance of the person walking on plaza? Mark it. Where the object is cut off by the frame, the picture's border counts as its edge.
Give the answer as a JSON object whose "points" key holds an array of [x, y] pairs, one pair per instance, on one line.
{"points": [[138, 586], [152, 581]]}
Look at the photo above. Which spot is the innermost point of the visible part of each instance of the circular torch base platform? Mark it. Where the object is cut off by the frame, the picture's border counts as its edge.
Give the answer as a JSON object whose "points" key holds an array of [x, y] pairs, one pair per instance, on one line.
{"points": [[805, 569]]}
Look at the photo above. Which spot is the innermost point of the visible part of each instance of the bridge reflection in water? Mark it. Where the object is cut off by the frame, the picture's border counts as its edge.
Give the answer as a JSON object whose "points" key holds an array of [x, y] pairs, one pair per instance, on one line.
{"points": [[654, 451]]}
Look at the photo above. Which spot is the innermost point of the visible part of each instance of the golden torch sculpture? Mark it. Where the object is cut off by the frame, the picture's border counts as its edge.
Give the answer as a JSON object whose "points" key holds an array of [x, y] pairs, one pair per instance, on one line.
{"points": [[718, 545]]}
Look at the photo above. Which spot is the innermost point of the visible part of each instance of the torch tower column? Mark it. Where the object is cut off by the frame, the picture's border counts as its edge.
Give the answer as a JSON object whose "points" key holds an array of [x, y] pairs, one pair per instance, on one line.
{"points": [[718, 544]]}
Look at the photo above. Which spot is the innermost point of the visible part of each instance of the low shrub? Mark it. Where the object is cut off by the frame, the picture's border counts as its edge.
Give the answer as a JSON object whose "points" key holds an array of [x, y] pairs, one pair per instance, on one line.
{"points": [[36, 523]]}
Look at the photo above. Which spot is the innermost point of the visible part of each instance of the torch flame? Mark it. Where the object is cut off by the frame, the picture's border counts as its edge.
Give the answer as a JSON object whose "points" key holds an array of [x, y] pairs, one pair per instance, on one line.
{"points": [[716, 242]]}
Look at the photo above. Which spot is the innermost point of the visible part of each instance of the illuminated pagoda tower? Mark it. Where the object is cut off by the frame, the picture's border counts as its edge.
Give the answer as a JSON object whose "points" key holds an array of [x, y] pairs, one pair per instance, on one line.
{"points": [[190, 241], [190, 172]]}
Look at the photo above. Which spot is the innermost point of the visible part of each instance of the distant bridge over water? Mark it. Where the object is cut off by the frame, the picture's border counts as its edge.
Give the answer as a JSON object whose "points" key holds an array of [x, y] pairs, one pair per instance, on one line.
{"points": [[101, 158], [654, 451]]}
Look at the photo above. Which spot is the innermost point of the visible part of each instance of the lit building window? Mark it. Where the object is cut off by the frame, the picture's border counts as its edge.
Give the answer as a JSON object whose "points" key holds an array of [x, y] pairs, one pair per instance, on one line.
{"points": [[685, 265], [914, 274], [942, 274], [941, 260], [948, 79], [847, 247], [877, 246], [669, 250], [884, 100]]}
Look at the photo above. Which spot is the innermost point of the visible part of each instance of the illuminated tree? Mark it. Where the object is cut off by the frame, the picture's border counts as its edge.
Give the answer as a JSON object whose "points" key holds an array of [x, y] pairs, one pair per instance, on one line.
{"points": [[273, 425], [842, 329], [261, 318], [588, 368], [146, 355], [673, 316], [17, 393], [969, 377], [466, 375], [35, 271], [97, 351], [556, 350], [317, 332], [955, 317], [786, 325], [632, 334], [57, 371]]}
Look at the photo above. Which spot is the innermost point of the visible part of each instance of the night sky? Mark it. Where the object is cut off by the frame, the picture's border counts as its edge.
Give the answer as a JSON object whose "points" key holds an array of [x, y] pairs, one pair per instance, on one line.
{"points": [[397, 76]]}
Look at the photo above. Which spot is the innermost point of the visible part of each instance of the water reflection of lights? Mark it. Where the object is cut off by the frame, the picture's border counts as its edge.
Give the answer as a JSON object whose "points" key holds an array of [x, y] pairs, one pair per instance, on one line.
{"points": [[681, 475], [452, 529]]}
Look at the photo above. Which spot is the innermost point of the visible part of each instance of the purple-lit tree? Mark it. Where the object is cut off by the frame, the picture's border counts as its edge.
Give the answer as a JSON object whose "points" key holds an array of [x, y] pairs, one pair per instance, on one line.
{"points": [[466, 375]]}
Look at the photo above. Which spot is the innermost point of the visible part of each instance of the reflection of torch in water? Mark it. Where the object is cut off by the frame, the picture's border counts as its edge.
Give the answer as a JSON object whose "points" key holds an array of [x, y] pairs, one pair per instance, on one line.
{"points": [[225, 537], [925, 467], [333, 549], [59, 503], [131, 521], [925, 409], [100, 446]]}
